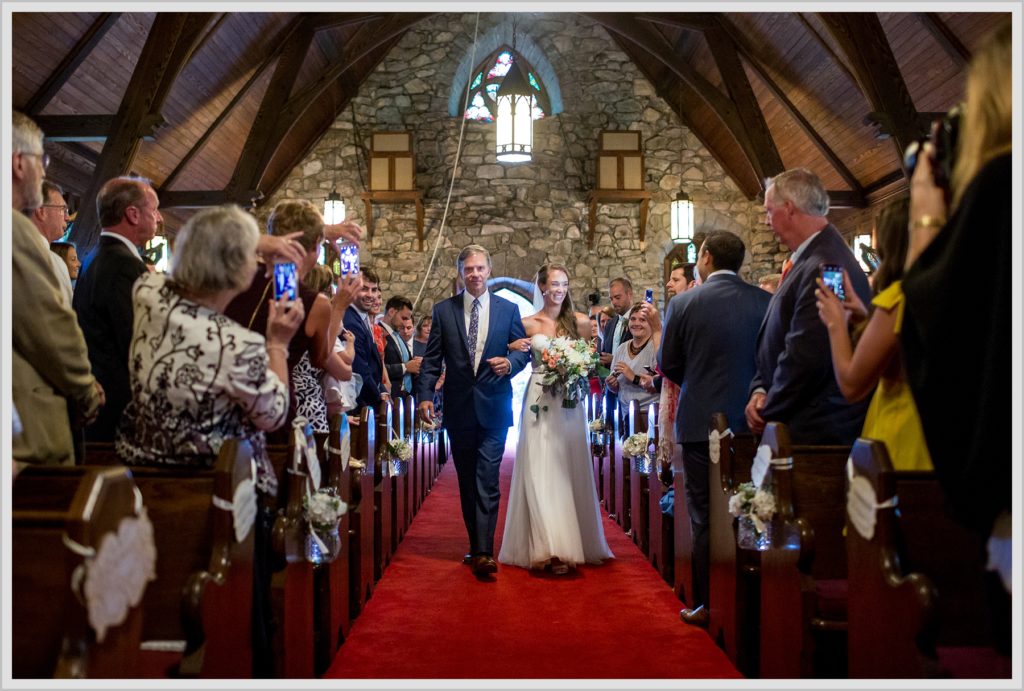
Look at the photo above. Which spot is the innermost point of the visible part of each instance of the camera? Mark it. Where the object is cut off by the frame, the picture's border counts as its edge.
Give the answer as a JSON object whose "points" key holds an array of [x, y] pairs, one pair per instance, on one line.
{"points": [[943, 137]]}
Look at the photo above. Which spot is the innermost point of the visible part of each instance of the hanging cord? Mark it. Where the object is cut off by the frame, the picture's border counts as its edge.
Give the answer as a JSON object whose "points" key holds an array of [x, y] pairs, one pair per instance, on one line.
{"points": [[455, 168]]}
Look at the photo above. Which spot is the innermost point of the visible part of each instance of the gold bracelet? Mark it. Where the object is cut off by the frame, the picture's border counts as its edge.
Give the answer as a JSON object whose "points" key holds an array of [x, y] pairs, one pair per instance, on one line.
{"points": [[927, 221], [280, 348]]}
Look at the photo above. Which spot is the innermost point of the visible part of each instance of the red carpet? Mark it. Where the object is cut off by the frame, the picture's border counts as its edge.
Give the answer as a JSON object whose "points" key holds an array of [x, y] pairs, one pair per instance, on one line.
{"points": [[431, 618]]}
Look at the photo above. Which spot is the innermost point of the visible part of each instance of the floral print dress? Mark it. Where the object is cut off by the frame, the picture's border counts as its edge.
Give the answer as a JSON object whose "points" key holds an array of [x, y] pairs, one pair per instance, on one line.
{"points": [[197, 378]]}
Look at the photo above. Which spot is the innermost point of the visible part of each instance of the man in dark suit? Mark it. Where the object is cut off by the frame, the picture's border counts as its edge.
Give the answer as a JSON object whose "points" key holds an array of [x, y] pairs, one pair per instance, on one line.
{"points": [[707, 348], [368, 363], [616, 331], [470, 334], [129, 212], [398, 358], [795, 383]]}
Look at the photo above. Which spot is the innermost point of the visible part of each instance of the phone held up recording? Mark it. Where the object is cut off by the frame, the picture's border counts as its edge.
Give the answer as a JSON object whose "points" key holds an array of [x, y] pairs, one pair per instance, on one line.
{"points": [[348, 258], [832, 277], [286, 281], [649, 297]]}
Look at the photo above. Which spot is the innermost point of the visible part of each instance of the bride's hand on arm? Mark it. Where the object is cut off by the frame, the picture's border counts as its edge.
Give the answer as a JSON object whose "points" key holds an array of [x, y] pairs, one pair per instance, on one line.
{"points": [[522, 344]]}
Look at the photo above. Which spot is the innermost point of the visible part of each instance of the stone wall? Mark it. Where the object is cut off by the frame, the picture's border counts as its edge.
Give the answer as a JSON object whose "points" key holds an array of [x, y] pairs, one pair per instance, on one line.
{"points": [[525, 214]]}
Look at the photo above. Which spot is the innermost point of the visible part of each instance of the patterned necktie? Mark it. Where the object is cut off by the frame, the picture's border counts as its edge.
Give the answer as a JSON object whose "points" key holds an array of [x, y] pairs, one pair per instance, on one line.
{"points": [[786, 266], [474, 326]]}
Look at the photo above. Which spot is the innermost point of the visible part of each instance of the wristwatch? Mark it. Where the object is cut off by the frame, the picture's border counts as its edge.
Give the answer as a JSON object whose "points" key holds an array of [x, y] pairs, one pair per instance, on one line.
{"points": [[636, 380]]}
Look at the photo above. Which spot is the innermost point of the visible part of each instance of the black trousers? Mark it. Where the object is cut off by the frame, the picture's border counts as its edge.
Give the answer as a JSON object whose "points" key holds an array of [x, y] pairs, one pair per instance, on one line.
{"points": [[696, 460]]}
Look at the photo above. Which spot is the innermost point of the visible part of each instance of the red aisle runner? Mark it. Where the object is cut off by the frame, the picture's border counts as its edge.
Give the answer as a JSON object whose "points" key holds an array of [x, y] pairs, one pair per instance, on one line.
{"points": [[430, 618]]}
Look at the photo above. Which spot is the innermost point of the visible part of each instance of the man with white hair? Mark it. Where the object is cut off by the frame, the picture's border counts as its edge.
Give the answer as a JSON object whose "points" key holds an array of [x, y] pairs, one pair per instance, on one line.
{"points": [[50, 368]]}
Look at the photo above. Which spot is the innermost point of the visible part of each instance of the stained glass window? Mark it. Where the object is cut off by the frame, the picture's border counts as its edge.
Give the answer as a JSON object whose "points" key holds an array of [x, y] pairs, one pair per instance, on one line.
{"points": [[489, 75]]}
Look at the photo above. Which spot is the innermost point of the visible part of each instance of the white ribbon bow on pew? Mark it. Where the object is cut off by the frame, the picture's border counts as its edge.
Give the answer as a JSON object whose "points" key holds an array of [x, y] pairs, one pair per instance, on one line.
{"points": [[715, 443], [862, 503], [242, 505]]}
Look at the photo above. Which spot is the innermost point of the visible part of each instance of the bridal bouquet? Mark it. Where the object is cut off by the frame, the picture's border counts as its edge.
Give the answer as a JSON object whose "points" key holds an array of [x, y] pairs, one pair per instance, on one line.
{"points": [[565, 369]]}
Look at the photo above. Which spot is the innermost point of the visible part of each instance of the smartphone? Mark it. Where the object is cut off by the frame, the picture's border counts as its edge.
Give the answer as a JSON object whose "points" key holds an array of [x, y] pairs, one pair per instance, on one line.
{"points": [[650, 370], [649, 297], [348, 258], [832, 276], [286, 281]]}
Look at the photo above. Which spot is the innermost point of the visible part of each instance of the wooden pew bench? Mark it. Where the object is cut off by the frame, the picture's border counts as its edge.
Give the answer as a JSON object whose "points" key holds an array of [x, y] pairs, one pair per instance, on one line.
{"points": [[917, 600], [52, 635]]}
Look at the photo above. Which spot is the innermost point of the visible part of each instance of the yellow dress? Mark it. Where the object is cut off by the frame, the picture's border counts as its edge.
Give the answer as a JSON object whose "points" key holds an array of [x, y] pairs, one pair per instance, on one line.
{"points": [[892, 416]]}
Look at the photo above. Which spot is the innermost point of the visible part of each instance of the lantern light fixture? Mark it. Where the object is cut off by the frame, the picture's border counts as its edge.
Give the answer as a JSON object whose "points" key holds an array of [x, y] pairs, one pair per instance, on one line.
{"points": [[514, 119], [682, 219], [334, 208]]}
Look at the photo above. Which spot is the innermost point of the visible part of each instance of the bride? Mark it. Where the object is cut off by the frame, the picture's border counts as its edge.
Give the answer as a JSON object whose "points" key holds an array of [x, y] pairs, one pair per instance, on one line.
{"points": [[553, 519]]}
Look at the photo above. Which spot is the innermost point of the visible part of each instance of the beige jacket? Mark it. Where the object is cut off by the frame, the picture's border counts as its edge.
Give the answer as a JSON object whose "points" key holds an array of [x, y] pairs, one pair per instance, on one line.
{"points": [[50, 364]]}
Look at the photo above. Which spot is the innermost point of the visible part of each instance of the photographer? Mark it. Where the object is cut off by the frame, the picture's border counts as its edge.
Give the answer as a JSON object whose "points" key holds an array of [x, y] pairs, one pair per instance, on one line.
{"points": [[960, 376]]}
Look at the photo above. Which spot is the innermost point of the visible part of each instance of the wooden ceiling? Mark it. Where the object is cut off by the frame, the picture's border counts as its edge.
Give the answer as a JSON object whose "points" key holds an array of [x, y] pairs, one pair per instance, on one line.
{"points": [[217, 107]]}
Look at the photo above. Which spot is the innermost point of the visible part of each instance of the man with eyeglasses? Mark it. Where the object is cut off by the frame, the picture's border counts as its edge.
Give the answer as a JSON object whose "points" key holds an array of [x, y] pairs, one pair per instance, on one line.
{"points": [[129, 212], [51, 219], [50, 370]]}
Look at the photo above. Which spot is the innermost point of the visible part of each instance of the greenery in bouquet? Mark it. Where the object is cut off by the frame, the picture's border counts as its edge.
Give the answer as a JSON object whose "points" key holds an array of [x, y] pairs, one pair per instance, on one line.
{"points": [[636, 444], [324, 508], [399, 449], [754, 503], [564, 370]]}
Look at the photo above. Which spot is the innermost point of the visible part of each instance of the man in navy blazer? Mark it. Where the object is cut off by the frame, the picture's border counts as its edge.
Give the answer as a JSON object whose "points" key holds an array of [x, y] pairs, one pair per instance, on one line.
{"points": [[707, 348], [129, 212], [795, 383], [470, 334], [367, 363]]}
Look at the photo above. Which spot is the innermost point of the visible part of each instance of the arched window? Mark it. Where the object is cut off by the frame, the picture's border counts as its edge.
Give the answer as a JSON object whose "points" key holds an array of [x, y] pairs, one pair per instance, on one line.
{"points": [[487, 78]]}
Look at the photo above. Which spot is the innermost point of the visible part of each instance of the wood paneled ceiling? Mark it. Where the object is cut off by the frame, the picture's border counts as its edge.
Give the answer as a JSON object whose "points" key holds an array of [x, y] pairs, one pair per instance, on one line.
{"points": [[218, 107]]}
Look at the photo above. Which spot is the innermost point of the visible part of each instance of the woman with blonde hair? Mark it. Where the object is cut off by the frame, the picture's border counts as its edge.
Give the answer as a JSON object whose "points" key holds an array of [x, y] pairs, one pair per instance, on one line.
{"points": [[957, 334]]}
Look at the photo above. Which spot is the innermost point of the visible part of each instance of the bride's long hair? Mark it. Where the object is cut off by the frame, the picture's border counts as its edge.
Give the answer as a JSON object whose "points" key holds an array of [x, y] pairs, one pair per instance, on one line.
{"points": [[566, 322]]}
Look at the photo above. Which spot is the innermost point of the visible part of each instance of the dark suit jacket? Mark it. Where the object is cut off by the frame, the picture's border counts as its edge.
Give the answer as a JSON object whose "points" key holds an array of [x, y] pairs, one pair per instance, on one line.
{"points": [[103, 303], [609, 332], [794, 362], [367, 363], [480, 399], [707, 347], [393, 363]]}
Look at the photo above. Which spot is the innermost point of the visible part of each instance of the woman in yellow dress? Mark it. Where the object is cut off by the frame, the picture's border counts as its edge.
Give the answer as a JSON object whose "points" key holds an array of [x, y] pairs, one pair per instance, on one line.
{"points": [[875, 363]]}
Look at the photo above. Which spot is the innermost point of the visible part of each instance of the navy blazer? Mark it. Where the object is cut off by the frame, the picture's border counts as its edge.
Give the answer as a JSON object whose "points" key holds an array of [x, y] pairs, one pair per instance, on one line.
{"points": [[707, 347], [367, 363], [393, 362], [794, 361], [103, 304], [472, 400]]}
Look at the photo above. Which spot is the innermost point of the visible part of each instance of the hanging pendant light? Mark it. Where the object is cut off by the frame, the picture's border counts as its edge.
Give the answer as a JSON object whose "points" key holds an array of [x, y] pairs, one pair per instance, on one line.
{"points": [[334, 208], [682, 219], [515, 114]]}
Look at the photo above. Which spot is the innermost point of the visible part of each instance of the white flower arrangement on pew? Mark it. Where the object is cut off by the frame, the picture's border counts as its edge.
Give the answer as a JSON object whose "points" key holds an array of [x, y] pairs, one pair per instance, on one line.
{"points": [[597, 425], [638, 446], [324, 508], [754, 503], [399, 452]]}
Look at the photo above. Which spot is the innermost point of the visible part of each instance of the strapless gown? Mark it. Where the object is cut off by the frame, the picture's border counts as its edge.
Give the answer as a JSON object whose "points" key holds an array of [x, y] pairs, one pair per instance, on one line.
{"points": [[553, 509]]}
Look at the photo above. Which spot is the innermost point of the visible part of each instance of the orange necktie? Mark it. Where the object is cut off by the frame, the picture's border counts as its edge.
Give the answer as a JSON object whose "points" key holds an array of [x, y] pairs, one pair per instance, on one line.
{"points": [[786, 266]]}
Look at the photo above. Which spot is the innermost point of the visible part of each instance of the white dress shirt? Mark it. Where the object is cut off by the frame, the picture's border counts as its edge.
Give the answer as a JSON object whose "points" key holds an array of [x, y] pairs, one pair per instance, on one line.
{"points": [[482, 326]]}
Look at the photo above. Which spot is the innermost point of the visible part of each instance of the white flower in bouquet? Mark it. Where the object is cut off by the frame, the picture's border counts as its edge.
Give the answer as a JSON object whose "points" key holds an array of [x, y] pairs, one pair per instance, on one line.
{"points": [[597, 425], [399, 450], [636, 444], [754, 503], [565, 368], [324, 508]]}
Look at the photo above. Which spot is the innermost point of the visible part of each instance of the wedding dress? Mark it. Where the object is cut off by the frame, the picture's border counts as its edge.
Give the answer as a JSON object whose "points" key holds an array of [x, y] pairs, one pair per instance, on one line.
{"points": [[553, 509]]}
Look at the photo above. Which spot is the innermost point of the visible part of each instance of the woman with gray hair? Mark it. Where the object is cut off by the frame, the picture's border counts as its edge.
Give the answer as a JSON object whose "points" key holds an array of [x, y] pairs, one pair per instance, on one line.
{"points": [[197, 376]]}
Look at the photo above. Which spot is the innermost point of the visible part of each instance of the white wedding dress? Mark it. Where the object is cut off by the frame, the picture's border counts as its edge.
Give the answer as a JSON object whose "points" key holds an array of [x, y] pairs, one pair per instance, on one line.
{"points": [[553, 509]]}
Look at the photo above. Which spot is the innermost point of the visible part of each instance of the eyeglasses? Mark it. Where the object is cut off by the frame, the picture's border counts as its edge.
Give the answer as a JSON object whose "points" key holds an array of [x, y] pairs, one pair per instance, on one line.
{"points": [[43, 156], [63, 207]]}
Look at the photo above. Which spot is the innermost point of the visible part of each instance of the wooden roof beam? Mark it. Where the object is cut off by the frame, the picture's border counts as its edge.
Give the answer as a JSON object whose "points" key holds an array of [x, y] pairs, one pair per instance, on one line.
{"points": [[53, 84], [862, 39], [957, 51], [193, 199], [321, 21], [91, 128], [759, 65], [171, 40], [767, 161]]}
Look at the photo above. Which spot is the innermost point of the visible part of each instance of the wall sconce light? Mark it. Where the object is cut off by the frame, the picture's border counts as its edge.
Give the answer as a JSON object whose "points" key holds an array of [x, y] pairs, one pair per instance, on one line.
{"points": [[334, 208]]}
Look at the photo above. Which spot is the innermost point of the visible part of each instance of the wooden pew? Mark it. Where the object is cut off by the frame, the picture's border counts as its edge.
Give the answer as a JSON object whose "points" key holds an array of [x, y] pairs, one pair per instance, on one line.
{"points": [[734, 587], [197, 613], [362, 468], [598, 451], [292, 591], [660, 527], [917, 601], [383, 498], [614, 432], [620, 471], [52, 636], [639, 486], [332, 618], [803, 574]]}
